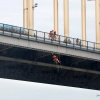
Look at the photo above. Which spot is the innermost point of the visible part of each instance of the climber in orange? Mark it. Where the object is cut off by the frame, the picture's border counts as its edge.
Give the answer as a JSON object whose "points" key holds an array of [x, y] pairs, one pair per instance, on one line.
{"points": [[55, 59]]}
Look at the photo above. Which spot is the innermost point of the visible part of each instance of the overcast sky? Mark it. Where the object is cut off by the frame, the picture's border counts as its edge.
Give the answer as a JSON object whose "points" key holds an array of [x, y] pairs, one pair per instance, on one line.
{"points": [[20, 90], [11, 12]]}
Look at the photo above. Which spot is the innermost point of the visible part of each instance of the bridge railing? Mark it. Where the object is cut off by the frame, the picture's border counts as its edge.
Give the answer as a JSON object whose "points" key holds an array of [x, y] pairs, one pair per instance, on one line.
{"points": [[45, 37]]}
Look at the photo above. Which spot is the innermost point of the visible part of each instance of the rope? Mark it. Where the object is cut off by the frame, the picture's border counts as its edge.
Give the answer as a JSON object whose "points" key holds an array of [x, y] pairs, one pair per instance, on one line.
{"points": [[42, 56], [77, 62], [6, 48], [58, 68]]}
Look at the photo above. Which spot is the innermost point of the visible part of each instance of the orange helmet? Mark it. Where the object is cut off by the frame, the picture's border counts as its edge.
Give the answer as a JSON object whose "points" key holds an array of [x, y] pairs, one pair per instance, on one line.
{"points": [[54, 56]]}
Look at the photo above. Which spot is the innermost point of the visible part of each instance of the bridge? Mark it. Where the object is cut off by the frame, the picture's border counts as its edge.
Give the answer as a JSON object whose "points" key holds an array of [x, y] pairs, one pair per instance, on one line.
{"points": [[28, 57]]}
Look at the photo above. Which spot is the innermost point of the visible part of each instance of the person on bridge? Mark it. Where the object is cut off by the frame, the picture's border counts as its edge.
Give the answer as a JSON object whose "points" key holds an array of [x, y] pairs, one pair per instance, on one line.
{"points": [[55, 59], [52, 35], [77, 41]]}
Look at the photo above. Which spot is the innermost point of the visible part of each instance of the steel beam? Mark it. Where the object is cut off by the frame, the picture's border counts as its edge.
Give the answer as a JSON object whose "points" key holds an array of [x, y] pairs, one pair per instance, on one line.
{"points": [[56, 16], [83, 12], [22, 42], [48, 65], [66, 17]]}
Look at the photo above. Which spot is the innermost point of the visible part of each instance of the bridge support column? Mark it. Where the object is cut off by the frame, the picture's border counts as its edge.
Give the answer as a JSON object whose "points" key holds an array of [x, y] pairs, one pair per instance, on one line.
{"points": [[28, 15], [56, 16], [97, 13], [25, 13], [66, 17], [83, 8]]}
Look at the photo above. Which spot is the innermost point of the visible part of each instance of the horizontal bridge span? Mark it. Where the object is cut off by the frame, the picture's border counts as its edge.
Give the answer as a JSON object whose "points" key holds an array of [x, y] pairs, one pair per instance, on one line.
{"points": [[49, 47], [47, 65]]}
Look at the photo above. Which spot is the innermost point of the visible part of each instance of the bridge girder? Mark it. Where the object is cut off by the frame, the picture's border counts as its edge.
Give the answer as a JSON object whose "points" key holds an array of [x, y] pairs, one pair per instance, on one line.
{"points": [[22, 64]]}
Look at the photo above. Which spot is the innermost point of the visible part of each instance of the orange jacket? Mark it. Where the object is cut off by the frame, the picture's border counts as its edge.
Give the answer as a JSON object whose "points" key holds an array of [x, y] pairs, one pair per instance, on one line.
{"points": [[54, 56]]}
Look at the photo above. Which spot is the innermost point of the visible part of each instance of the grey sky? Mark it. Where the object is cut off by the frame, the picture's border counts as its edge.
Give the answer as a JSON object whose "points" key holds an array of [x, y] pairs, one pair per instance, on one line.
{"points": [[20, 90], [11, 12]]}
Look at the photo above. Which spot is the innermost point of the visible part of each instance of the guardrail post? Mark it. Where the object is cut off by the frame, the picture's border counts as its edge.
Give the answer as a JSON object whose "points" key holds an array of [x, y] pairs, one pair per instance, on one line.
{"points": [[36, 35], [87, 45], [28, 34], [59, 39], [94, 47], [66, 41], [20, 32], [80, 44], [12, 31], [44, 36], [3, 28], [73, 43]]}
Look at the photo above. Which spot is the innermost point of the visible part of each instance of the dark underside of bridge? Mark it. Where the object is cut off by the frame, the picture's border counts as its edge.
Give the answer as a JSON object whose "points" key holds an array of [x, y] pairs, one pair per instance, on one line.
{"points": [[37, 66]]}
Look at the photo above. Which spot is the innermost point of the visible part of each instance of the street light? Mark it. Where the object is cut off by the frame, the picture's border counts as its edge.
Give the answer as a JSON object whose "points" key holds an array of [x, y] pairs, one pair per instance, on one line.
{"points": [[34, 6]]}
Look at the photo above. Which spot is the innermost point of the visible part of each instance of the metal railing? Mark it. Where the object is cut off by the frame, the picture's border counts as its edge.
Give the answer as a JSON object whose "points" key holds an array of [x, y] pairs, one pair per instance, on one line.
{"points": [[34, 35]]}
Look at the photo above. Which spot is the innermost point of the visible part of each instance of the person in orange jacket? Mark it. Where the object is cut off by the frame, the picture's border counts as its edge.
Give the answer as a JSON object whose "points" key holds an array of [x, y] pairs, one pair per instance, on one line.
{"points": [[55, 59]]}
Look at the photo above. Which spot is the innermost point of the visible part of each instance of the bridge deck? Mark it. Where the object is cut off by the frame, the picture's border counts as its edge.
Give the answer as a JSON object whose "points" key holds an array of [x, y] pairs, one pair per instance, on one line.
{"points": [[21, 53], [39, 36]]}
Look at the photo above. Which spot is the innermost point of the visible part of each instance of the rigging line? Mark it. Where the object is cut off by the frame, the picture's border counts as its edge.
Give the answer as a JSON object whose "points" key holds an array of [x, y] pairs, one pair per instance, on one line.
{"points": [[58, 53], [78, 62], [59, 69], [6, 48], [42, 56]]}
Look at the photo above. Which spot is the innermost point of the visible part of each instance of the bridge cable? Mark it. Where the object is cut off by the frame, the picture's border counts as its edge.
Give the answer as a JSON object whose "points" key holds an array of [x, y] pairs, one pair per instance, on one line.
{"points": [[78, 62], [42, 56], [59, 66], [6, 48]]}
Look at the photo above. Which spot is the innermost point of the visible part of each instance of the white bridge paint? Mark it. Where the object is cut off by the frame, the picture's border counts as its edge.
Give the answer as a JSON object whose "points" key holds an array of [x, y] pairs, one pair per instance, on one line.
{"points": [[49, 48]]}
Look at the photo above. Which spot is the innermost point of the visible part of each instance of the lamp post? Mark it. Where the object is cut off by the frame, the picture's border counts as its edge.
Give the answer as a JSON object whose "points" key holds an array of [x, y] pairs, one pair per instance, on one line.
{"points": [[35, 5], [28, 14]]}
